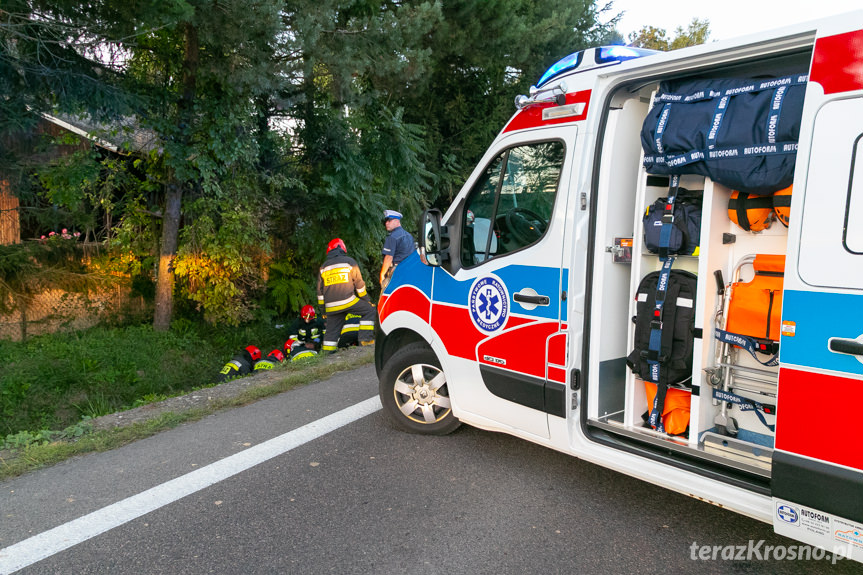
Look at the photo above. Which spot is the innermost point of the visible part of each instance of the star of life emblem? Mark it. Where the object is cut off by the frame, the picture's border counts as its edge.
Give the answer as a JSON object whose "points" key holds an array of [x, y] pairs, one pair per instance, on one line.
{"points": [[488, 304]]}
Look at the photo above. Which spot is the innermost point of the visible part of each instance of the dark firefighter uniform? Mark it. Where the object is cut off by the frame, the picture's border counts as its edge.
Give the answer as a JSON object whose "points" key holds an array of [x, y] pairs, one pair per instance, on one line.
{"points": [[302, 334], [341, 290]]}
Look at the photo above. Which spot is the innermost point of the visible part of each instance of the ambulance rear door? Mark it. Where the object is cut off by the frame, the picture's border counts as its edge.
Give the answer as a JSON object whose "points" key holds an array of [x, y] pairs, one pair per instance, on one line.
{"points": [[817, 476]]}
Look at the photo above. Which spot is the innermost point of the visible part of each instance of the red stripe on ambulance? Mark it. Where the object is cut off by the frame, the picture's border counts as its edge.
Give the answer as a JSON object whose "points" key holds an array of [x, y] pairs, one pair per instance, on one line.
{"points": [[532, 117], [405, 298], [529, 340], [838, 62], [812, 420]]}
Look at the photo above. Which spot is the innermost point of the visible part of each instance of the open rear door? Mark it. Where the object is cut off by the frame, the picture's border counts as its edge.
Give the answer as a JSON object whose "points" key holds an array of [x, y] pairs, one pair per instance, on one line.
{"points": [[817, 483]]}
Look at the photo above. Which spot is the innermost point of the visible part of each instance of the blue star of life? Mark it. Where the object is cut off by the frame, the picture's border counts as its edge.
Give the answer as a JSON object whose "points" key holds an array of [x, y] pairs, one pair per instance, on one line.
{"points": [[489, 304]]}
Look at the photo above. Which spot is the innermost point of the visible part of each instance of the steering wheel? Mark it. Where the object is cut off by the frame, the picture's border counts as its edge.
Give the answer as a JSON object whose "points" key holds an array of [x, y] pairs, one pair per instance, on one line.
{"points": [[525, 225]]}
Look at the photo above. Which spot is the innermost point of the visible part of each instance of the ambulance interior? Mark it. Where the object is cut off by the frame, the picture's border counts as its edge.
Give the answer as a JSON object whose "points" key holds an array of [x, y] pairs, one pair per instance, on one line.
{"points": [[721, 436]]}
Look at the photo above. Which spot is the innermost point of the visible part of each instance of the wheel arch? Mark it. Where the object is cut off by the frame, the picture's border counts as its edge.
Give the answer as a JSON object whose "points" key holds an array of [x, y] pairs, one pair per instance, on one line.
{"points": [[387, 344]]}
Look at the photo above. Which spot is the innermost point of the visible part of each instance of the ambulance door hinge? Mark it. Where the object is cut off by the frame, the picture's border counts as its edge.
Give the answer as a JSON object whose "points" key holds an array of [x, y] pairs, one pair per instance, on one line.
{"points": [[583, 202]]}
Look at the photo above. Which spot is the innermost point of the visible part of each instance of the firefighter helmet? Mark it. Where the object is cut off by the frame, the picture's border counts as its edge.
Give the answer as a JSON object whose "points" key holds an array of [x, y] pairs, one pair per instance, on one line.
{"points": [[307, 313], [253, 352], [336, 243]]}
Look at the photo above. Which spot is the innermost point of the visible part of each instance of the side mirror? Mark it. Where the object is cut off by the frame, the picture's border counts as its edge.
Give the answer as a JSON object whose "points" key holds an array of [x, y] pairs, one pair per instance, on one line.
{"points": [[434, 246]]}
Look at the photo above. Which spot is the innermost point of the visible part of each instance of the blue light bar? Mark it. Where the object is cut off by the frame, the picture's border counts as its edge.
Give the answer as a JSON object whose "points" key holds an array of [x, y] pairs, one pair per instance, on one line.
{"points": [[601, 56], [607, 54], [568, 63]]}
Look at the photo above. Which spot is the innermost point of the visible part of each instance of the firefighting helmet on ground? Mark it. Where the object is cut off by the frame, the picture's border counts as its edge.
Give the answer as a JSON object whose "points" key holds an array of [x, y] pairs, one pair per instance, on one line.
{"points": [[254, 352], [336, 243], [307, 313]]}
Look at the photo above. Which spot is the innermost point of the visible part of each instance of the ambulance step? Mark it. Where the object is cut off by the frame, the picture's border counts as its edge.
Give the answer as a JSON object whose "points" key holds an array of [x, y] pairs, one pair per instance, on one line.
{"points": [[736, 450]]}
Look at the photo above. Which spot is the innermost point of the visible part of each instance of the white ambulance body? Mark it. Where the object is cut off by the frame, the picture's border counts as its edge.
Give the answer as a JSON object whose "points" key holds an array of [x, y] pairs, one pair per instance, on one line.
{"points": [[520, 321]]}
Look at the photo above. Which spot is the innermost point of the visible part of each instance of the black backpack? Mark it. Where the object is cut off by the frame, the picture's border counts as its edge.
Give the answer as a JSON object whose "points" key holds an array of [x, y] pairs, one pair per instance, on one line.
{"points": [[674, 357]]}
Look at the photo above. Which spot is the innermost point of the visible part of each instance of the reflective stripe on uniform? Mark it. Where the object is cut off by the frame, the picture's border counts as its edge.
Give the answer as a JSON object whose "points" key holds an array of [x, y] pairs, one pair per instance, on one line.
{"points": [[361, 292], [336, 266], [343, 304]]}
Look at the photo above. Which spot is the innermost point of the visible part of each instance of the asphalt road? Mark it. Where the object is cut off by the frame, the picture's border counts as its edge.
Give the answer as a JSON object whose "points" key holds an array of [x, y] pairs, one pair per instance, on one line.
{"points": [[365, 498]]}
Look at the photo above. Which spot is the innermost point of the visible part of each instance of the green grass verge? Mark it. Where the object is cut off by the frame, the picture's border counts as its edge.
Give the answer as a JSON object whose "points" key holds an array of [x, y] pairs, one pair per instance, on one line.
{"points": [[53, 381], [35, 455]]}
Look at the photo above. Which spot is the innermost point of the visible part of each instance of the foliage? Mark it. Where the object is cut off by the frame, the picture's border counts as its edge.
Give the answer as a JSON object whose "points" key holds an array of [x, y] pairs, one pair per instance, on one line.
{"points": [[287, 292], [24, 439], [54, 262], [276, 125], [653, 38], [483, 55]]}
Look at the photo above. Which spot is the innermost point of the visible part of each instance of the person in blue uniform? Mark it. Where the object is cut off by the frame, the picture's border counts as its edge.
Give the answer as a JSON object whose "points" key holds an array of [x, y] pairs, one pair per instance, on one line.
{"points": [[398, 245]]}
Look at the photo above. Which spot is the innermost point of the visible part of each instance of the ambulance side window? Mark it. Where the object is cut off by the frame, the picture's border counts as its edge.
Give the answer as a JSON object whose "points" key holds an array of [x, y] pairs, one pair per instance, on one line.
{"points": [[853, 232], [510, 206]]}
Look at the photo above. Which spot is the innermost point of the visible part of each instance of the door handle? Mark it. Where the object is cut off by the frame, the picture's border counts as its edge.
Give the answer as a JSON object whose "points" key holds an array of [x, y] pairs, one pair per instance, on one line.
{"points": [[531, 298], [846, 346]]}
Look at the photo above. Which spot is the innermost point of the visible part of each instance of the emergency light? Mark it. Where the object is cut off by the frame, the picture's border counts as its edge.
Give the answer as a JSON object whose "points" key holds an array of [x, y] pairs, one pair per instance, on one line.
{"points": [[592, 58]]}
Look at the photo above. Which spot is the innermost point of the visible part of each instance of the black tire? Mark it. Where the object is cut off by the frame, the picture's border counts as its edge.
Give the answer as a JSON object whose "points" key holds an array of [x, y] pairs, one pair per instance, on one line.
{"points": [[416, 406]]}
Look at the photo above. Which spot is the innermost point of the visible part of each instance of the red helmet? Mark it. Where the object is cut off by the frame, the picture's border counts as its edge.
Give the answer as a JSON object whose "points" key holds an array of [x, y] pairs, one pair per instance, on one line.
{"points": [[307, 313], [336, 243], [277, 355], [254, 352]]}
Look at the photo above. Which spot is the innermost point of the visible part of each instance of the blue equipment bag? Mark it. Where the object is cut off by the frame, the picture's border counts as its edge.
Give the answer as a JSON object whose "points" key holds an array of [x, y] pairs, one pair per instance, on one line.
{"points": [[740, 133], [686, 229]]}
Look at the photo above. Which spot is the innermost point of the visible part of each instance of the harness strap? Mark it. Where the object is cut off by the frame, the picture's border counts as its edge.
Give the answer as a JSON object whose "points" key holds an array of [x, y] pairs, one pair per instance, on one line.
{"points": [[730, 152], [751, 345], [746, 404], [655, 359], [747, 87]]}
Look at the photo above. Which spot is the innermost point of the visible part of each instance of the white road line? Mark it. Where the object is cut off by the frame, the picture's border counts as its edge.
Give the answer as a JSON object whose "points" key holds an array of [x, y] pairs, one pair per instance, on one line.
{"points": [[38, 547]]}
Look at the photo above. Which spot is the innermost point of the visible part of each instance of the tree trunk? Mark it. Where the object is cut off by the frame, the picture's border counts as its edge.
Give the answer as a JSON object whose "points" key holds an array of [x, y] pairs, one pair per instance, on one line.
{"points": [[174, 194], [167, 252]]}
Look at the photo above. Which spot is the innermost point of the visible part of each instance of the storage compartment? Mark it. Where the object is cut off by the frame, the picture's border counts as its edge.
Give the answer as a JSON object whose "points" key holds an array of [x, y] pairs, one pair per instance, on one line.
{"points": [[722, 433]]}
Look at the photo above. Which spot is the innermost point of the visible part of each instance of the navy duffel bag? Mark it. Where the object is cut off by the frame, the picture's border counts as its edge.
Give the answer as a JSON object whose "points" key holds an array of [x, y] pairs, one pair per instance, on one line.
{"points": [[740, 133]]}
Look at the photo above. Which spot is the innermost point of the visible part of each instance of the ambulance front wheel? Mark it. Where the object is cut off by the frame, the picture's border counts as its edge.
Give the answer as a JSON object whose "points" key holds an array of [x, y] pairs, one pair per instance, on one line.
{"points": [[414, 392]]}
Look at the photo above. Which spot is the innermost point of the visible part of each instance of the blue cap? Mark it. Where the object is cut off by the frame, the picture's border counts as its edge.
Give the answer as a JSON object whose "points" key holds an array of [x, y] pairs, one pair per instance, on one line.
{"points": [[392, 214]]}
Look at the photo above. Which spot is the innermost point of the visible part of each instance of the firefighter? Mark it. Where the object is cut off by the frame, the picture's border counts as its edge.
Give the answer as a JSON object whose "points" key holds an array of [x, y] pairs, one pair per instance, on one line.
{"points": [[341, 290], [306, 334], [398, 245]]}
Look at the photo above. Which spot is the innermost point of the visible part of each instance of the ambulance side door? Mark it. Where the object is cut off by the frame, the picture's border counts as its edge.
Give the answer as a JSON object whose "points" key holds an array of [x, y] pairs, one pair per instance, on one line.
{"points": [[817, 478], [500, 309]]}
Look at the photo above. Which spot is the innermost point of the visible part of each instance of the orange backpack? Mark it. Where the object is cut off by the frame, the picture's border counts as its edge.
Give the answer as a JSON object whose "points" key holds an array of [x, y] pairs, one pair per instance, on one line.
{"points": [[675, 410]]}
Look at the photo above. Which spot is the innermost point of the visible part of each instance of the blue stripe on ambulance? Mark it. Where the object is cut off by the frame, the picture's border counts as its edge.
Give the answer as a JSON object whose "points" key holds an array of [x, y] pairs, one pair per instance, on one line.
{"points": [[413, 272], [817, 317], [545, 280]]}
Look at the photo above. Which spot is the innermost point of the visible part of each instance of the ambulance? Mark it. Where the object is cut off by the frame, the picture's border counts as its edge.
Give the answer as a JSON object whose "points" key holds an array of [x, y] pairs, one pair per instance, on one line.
{"points": [[518, 313]]}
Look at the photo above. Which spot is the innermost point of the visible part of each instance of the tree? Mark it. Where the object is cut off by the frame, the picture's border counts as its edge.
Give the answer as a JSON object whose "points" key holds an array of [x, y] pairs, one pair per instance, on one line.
{"points": [[483, 55], [652, 38], [198, 76]]}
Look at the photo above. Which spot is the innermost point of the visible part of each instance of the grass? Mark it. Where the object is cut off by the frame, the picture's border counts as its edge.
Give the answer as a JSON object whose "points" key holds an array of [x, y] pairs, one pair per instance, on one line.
{"points": [[51, 381], [50, 449]]}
